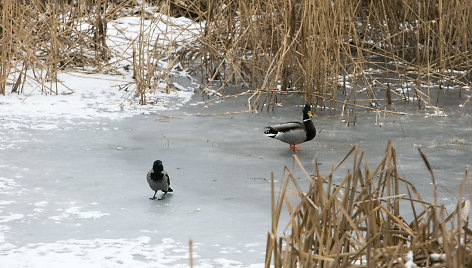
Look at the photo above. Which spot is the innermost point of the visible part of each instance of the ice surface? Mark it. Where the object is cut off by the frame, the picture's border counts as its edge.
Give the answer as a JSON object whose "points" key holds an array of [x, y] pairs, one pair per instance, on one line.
{"points": [[77, 193]]}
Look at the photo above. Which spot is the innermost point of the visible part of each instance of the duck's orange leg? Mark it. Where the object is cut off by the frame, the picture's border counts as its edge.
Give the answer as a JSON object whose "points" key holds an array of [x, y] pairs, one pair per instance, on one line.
{"points": [[295, 148]]}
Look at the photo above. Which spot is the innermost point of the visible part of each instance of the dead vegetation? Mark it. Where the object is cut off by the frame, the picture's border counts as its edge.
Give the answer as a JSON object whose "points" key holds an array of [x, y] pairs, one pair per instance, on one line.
{"points": [[372, 218], [45, 37], [41, 38], [340, 55]]}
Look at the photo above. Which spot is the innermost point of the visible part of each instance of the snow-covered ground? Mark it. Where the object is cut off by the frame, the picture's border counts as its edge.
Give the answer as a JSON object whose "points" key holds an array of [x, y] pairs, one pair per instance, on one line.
{"points": [[90, 94], [95, 96]]}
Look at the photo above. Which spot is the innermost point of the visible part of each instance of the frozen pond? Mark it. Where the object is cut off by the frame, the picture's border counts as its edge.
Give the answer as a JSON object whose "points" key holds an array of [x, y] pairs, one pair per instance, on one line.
{"points": [[77, 194]]}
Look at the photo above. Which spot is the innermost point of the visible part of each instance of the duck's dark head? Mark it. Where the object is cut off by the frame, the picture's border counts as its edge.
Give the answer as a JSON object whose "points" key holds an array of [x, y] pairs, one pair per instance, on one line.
{"points": [[307, 112], [157, 166]]}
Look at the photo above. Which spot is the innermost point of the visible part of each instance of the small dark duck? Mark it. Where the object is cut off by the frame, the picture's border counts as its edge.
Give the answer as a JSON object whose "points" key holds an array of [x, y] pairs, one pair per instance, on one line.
{"points": [[294, 132], [158, 179]]}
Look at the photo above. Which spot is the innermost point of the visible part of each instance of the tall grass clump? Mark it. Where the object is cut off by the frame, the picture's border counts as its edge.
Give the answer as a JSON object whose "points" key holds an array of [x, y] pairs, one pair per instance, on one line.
{"points": [[40, 37], [156, 49], [147, 51], [336, 53], [372, 218]]}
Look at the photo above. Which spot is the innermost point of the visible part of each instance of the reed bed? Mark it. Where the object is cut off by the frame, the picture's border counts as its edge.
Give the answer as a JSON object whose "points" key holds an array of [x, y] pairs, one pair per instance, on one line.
{"points": [[336, 53], [371, 218], [339, 55], [41, 37]]}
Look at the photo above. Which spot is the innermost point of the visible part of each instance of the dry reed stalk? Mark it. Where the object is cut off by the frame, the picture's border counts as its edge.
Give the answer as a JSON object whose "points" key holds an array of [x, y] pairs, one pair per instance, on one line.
{"points": [[190, 247], [152, 46], [358, 221], [6, 34]]}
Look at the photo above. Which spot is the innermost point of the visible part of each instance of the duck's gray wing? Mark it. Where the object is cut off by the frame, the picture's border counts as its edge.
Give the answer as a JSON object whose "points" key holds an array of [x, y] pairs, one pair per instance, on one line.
{"points": [[292, 136], [286, 126]]}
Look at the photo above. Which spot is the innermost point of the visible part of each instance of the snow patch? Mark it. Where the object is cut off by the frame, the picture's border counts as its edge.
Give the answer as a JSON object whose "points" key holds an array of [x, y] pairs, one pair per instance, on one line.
{"points": [[11, 217], [75, 211], [96, 253], [41, 203], [409, 260], [437, 256], [6, 185], [6, 202]]}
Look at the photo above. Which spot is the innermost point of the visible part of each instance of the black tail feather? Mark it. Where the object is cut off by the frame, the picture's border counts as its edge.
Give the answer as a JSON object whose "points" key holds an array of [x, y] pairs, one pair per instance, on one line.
{"points": [[270, 132]]}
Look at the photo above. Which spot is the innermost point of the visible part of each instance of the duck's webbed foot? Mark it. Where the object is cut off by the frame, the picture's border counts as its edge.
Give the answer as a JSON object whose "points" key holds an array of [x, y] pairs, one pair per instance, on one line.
{"points": [[294, 148]]}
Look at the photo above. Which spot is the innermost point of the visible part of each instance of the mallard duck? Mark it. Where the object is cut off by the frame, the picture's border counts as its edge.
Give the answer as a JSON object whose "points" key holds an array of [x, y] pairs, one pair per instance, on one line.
{"points": [[294, 132], [158, 179]]}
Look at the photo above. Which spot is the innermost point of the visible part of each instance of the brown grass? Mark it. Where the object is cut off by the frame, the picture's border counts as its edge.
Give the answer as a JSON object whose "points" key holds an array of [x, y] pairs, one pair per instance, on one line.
{"points": [[372, 218], [49, 36], [337, 54], [326, 49]]}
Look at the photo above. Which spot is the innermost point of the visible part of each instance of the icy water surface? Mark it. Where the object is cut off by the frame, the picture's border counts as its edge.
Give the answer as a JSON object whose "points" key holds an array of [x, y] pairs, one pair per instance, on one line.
{"points": [[78, 194]]}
